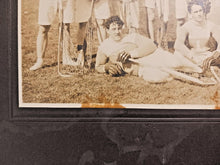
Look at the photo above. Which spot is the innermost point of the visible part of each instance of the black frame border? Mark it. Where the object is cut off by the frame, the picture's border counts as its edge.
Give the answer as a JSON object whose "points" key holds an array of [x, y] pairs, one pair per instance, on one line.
{"points": [[86, 114]]}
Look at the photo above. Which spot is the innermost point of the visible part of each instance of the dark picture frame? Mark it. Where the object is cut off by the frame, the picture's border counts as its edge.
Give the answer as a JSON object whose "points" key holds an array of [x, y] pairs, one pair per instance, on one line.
{"points": [[85, 114], [31, 135]]}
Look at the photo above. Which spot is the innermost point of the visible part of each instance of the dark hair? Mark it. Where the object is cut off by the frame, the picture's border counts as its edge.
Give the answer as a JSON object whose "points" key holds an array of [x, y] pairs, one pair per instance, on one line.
{"points": [[112, 19], [205, 4]]}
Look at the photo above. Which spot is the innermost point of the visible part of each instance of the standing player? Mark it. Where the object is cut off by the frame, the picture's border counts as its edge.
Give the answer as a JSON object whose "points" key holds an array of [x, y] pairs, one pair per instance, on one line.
{"points": [[47, 13], [130, 14], [161, 8], [100, 10]]}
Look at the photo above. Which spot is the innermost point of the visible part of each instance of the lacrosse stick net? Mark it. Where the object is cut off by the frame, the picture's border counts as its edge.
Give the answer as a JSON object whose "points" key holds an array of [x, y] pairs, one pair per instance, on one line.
{"points": [[92, 28], [67, 52], [212, 64]]}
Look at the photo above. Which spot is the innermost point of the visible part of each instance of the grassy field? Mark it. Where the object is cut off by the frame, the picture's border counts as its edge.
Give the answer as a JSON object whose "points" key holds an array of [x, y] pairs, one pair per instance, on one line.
{"points": [[47, 86]]}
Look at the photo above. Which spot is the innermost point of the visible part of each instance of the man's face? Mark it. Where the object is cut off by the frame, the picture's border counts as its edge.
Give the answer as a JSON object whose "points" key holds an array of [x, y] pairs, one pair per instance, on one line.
{"points": [[197, 13], [114, 31]]}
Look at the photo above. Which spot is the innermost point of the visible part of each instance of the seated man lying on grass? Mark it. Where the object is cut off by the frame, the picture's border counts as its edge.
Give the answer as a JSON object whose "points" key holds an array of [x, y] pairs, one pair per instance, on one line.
{"points": [[136, 55]]}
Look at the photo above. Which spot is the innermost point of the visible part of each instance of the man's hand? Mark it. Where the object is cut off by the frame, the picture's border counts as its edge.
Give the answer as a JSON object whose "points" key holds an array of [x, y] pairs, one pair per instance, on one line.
{"points": [[113, 69], [123, 57]]}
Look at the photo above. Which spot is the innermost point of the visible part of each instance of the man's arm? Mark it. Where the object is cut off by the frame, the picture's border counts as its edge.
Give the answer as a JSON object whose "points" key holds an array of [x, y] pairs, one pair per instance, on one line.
{"points": [[216, 35], [143, 46], [104, 66], [101, 60], [180, 43]]}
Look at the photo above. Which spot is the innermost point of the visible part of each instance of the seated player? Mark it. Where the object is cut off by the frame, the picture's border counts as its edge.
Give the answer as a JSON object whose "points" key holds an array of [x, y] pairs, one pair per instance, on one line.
{"points": [[136, 55], [199, 34]]}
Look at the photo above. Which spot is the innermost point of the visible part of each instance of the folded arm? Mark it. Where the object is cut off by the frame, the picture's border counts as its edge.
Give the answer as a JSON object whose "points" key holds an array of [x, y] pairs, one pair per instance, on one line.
{"points": [[216, 35], [180, 43], [101, 60], [103, 65]]}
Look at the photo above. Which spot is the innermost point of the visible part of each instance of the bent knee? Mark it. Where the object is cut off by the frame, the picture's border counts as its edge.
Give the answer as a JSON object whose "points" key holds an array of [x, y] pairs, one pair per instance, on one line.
{"points": [[100, 21], [44, 28]]}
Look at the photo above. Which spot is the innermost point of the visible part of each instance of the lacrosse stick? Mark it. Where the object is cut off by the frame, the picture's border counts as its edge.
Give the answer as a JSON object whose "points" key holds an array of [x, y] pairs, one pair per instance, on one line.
{"points": [[60, 39], [90, 31], [61, 44], [208, 64], [89, 36]]}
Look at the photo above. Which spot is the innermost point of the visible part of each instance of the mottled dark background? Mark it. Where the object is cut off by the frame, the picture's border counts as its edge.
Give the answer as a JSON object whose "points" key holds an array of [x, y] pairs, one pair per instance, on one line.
{"points": [[52, 142]]}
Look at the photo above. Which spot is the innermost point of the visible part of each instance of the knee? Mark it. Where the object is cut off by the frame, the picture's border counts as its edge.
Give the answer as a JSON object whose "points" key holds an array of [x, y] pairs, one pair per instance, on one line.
{"points": [[67, 26], [100, 22], [44, 29], [180, 21], [82, 25]]}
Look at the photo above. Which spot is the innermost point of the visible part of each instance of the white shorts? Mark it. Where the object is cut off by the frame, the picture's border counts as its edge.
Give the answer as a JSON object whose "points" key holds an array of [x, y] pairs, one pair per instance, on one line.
{"points": [[48, 10], [102, 9], [214, 13], [181, 9], [152, 3], [130, 11], [161, 6], [83, 10]]}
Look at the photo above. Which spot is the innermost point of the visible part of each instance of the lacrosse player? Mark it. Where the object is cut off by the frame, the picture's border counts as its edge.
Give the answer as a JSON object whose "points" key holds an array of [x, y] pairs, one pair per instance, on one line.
{"points": [[135, 55], [47, 12], [200, 35], [161, 7], [100, 10], [130, 13]]}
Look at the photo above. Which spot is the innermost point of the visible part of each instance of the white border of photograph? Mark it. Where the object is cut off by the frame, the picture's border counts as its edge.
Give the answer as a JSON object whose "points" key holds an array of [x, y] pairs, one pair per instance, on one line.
{"points": [[70, 105]]}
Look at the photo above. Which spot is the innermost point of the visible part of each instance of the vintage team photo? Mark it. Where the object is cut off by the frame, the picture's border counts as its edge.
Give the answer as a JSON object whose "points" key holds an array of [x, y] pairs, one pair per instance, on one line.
{"points": [[119, 53]]}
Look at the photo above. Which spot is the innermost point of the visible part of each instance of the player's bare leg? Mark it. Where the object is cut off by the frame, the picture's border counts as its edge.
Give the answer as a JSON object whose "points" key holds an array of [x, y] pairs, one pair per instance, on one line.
{"points": [[66, 46], [151, 16], [101, 31], [81, 43], [42, 41]]}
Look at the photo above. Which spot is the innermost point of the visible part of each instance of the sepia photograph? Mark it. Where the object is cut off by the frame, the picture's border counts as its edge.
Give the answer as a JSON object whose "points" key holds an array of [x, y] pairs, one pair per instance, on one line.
{"points": [[162, 54]]}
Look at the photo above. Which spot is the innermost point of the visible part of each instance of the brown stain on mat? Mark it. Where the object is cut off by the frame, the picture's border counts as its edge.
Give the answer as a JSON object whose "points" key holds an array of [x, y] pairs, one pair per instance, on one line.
{"points": [[216, 99], [103, 102]]}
